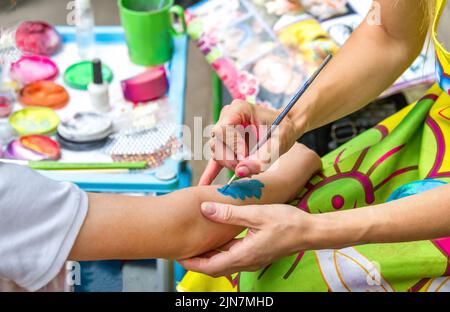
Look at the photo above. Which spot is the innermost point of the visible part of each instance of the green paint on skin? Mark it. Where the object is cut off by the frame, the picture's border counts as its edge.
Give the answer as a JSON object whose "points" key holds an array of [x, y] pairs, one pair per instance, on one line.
{"points": [[243, 189]]}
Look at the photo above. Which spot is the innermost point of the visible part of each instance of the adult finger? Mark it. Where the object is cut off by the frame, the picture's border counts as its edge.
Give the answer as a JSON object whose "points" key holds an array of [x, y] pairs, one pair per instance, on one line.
{"points": [[246, 216], [232, 138], [220, 264], [212, 170]]}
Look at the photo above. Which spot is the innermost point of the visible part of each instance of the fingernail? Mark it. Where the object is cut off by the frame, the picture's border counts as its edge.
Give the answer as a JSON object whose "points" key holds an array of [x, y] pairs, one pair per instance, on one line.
{"points": [[208, 209], [242, 172]]}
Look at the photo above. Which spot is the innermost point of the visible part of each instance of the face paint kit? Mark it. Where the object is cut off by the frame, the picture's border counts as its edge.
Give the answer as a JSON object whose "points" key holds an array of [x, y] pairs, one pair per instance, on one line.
{"points": [[47, 116]]}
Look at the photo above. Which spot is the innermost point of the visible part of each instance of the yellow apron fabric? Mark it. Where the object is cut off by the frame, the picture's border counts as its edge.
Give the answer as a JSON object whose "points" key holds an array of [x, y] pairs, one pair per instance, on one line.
{"points": [[403, 155]]}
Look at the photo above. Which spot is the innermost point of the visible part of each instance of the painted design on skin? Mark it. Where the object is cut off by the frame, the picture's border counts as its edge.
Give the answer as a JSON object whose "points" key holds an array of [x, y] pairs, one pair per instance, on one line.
{"points": [[242, 189]]}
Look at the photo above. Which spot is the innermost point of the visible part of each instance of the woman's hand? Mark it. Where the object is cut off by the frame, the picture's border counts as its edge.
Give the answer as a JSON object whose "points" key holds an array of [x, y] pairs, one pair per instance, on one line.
{"points": [[275, 231], [230, 147]]}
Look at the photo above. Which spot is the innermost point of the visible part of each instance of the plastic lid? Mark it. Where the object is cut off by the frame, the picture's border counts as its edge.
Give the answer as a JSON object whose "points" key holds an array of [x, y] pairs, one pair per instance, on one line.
{"points": [[81, 75]]}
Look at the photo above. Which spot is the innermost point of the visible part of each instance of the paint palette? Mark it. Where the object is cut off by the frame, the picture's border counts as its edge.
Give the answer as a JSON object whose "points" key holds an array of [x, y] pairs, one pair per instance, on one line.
{"points": [[34, 120], [32, 68], [34, 148], [45, 94]]}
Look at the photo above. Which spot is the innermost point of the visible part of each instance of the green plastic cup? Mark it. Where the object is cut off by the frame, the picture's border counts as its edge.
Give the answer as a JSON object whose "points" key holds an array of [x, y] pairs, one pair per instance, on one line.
{"points": [[149, 27]]}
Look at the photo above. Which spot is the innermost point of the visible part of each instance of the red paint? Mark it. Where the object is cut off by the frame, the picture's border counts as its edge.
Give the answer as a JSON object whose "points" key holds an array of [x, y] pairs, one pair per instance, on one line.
{"points": [[5, 107], [42, 145], [338, 201]]}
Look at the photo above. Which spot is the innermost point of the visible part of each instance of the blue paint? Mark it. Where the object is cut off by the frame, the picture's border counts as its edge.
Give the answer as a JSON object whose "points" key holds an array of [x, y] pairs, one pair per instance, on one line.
{"points": [[242, 189]]}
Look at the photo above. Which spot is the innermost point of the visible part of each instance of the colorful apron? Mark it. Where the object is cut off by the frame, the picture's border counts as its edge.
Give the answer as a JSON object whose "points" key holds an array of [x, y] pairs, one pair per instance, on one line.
{"points": [[406, 154]]}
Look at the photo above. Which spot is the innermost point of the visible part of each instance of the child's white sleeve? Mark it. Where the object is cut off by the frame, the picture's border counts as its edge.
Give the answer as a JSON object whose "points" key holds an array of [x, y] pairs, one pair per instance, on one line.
{"points": [[39, 223]]}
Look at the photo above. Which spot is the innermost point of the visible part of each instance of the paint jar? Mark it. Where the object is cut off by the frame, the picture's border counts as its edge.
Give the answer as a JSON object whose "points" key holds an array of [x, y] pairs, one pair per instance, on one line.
{"points": [[6, 105]]}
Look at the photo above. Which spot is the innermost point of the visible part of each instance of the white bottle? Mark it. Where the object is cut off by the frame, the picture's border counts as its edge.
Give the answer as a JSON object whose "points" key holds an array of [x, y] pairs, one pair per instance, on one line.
{"points": [[85, 24], [99, 90]]}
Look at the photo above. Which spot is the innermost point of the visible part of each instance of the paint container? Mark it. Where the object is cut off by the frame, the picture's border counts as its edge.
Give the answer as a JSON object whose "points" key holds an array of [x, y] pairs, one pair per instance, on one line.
{"points": [[33, 148], [6, 105], [32, 68], [44, 94], [85, 127], [37, 37], [15, 150], [148, 86], [34, 120], [80, 147], [42, 145], [98, 90], [80, 75]]}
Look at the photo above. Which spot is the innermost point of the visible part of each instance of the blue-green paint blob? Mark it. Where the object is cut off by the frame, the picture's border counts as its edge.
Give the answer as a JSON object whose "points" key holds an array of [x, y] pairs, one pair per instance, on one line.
{"points": [[242, 189]]}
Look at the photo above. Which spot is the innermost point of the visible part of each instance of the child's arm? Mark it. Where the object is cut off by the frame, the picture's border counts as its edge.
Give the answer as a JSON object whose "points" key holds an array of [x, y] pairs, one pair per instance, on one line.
{"points": [[172, 226]]}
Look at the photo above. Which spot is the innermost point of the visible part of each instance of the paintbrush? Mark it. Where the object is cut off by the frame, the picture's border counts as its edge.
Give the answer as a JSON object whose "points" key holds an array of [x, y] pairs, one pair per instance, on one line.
{"points": [[285, 111]]}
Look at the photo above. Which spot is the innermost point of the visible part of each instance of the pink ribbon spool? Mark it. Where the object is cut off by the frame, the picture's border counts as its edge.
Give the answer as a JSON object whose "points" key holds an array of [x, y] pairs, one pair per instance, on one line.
{"points": [[148, 86]]}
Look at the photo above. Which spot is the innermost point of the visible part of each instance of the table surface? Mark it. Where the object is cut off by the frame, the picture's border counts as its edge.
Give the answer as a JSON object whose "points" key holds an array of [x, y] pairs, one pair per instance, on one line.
{"points": [[112, 50]]}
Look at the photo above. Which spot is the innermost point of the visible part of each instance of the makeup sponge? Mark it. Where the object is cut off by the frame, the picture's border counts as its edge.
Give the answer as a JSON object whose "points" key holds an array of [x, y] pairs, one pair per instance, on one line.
{"points": [[150, 85]]}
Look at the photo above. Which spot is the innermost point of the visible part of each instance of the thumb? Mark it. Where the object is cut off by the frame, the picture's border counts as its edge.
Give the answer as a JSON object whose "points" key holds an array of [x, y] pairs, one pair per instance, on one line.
{"points": [[256, 163], [246, 216]]}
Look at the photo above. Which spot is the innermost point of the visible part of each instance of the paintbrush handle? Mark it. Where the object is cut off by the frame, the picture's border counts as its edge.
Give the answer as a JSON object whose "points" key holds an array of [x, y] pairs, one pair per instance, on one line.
{"points": [[291, 104], [287, 109]]}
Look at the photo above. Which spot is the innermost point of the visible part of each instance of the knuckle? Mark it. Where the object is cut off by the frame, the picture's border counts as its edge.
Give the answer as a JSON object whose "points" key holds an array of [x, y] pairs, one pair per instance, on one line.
{"points": [[227, 213]]}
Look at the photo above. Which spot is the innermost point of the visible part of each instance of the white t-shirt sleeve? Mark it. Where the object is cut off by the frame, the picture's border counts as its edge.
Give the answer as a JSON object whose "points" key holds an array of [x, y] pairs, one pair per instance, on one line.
{"points": [[39, 223]]}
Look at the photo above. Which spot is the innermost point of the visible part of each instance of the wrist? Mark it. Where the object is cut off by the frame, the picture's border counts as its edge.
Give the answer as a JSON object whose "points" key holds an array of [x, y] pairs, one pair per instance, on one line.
{"points": [[302, 113], [341, 229]]}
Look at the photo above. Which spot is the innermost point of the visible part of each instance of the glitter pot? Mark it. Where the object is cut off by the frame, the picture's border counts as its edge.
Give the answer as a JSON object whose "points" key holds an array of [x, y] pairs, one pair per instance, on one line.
{"points": [[32, 68], [147, 86], [85, 127]]}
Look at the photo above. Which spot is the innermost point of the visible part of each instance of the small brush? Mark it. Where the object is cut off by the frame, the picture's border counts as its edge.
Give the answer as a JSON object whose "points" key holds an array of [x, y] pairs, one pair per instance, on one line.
{"points": [[285, 111]]}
